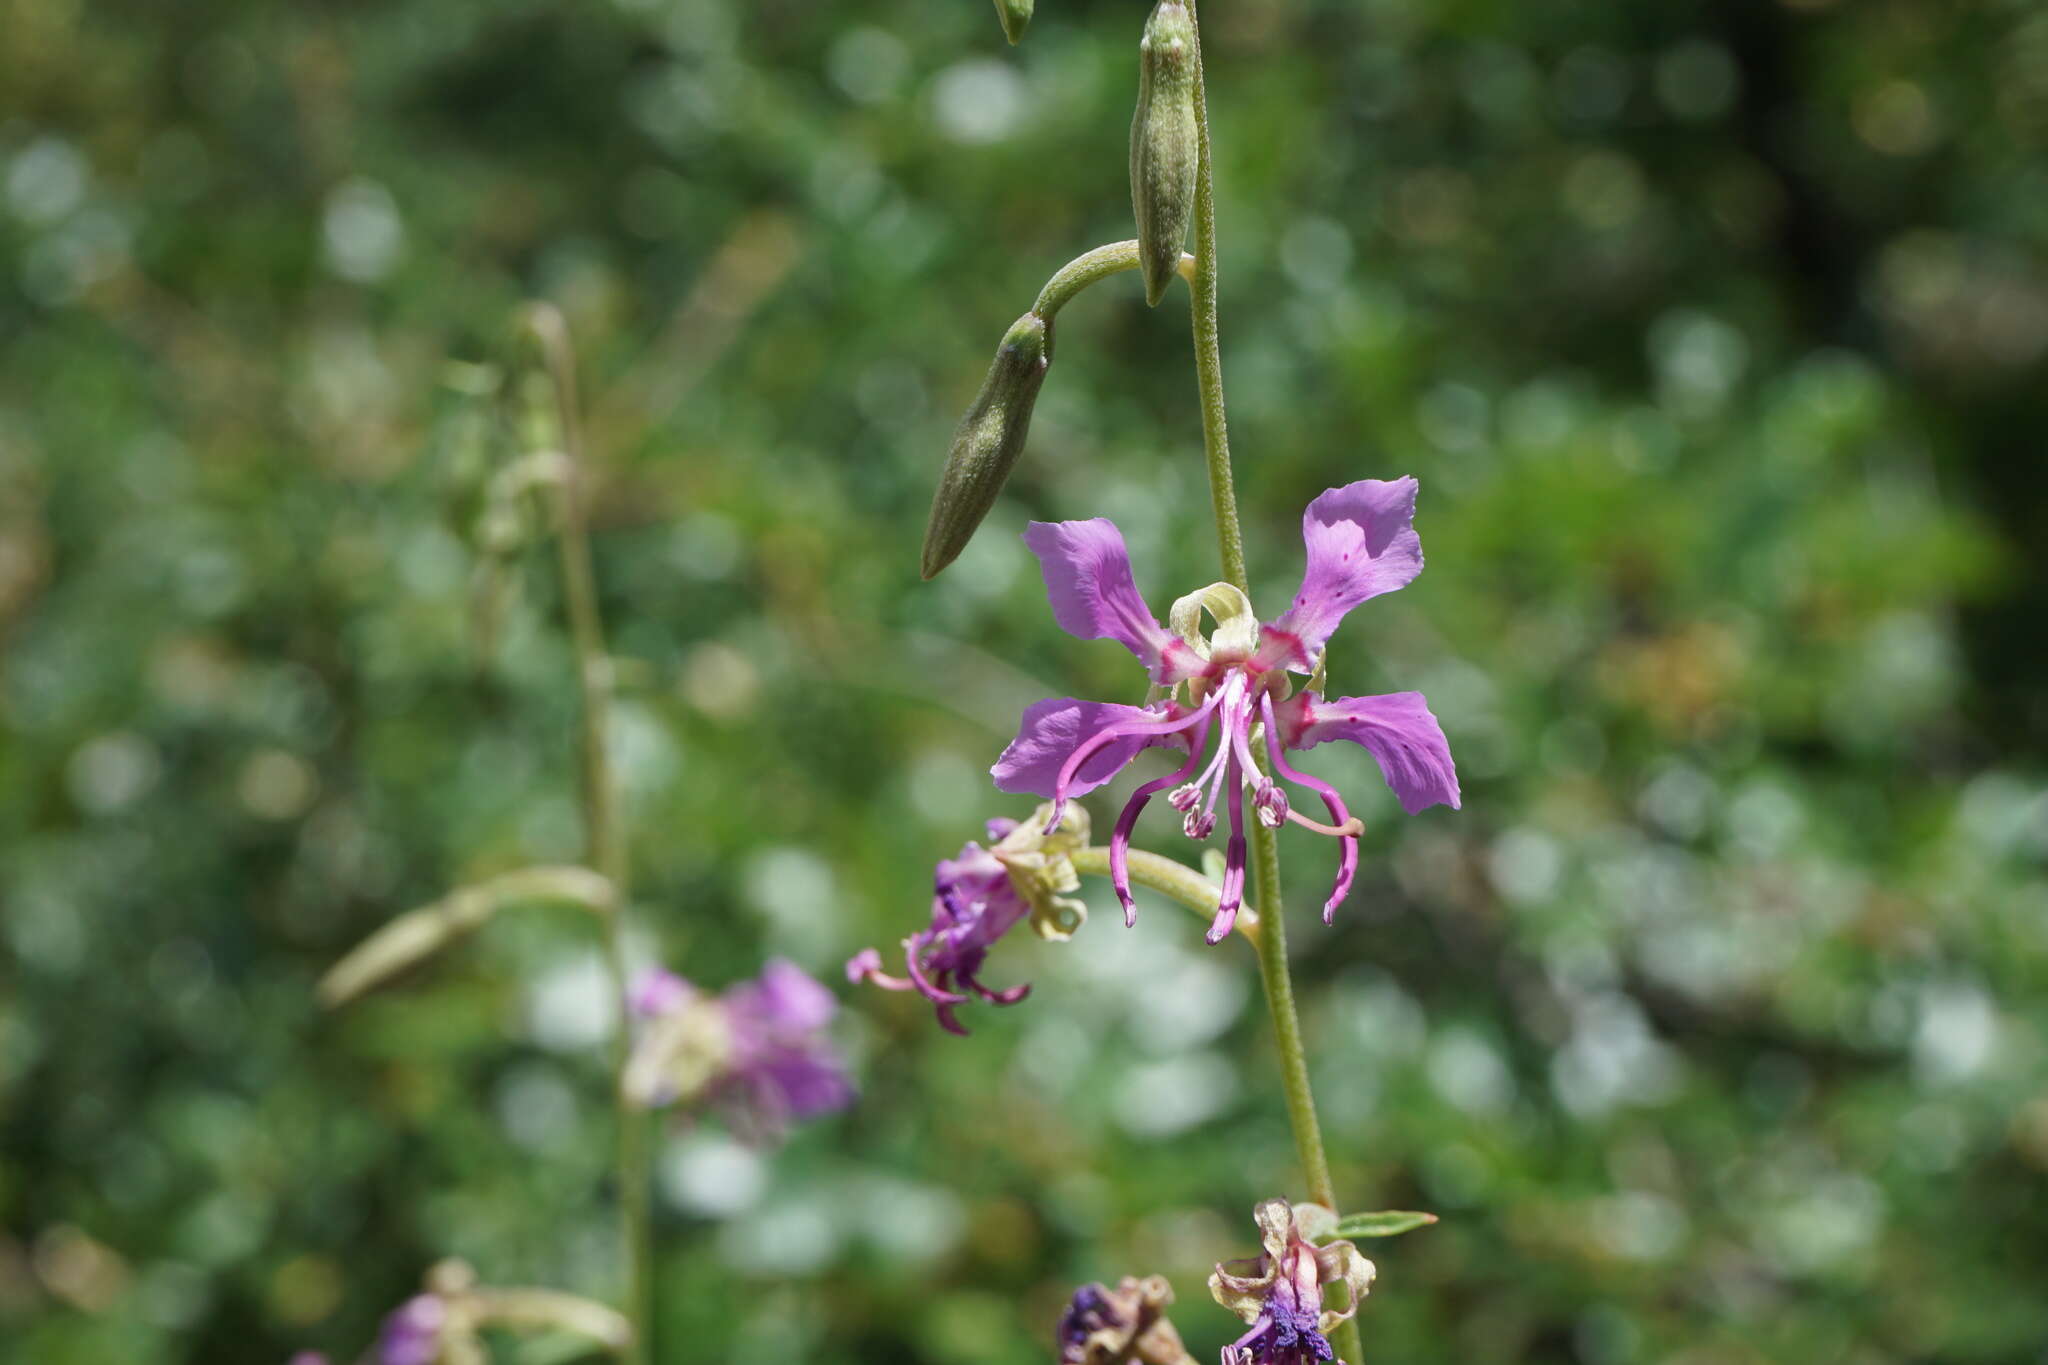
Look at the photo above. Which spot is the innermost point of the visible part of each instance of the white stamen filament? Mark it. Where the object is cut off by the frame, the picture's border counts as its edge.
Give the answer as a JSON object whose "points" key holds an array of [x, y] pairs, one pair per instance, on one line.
{"points": [[1233, 712]]}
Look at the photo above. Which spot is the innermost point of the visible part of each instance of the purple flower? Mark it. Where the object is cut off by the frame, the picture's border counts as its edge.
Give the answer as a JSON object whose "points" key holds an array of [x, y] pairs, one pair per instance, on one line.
{"points": [[780, 1059], [1361, 542], [308, 1358], [978, 897], [1280, 1292], [412, 1332], [758, 1051]]}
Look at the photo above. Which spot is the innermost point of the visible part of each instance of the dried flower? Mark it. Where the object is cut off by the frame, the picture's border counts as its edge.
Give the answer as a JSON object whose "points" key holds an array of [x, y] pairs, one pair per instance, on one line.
{"points": [[1280, 1292], [1110, 1326], [978, 897], [758, 1051], [1361, 542]]}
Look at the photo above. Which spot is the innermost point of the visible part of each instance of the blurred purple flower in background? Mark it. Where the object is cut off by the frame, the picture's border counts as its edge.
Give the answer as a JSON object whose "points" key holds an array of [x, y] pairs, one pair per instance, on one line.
{"points": [[758, 1052], [412, 1332]]}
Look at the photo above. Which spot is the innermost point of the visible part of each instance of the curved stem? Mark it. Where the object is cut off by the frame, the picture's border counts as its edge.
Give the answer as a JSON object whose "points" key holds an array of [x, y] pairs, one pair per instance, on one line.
{"points": [[603, 828], [1176, 881], [1084, 270], [1272, 939]]}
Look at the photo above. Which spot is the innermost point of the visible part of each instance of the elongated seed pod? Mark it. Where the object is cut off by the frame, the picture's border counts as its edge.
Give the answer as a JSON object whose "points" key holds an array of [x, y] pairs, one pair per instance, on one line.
{"points": [[988, 440], [1165, 144], [1016, 17]]}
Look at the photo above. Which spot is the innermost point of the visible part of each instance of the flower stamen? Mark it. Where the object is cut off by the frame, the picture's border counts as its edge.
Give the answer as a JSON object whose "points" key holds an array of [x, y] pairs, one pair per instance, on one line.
{"points": [[1347, 857], [1120, 837], [1350, 829]]}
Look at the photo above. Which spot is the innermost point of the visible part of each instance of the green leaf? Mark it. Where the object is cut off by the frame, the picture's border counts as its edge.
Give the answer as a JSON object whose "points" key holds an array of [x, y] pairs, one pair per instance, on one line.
{"points": [[1388, 1223]]}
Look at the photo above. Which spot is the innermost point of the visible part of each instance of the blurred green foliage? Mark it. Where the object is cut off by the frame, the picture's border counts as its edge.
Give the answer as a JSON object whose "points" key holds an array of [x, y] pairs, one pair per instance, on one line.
{"points": [[1713, 1024]]}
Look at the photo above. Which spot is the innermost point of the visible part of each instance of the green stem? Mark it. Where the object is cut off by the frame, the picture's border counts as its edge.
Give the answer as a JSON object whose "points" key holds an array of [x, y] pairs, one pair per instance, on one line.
{"points": [[1176, 881], [1085, 269], [604, 830], [1208, 348], [1272, 939]]}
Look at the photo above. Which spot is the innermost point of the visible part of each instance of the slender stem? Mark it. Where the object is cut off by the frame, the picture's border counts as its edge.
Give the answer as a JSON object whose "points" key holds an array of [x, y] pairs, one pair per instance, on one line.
{"points": [[1279, 984], [1272, 939], [1176, 881], [1208, 348], [604, 830], [1085, 269]]}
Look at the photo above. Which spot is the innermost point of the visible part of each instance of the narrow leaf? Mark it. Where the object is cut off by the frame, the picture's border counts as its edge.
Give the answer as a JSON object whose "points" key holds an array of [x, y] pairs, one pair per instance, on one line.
{"points": [[1388, 1223]]}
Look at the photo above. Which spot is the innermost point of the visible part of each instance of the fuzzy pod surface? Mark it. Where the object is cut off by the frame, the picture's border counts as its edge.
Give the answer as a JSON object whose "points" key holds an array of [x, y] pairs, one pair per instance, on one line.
{"points": [[987, 441], [1165, 144]]}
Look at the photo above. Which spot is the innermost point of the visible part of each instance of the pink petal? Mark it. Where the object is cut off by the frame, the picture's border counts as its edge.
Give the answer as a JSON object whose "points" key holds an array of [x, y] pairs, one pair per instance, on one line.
{"points": [[1396, 729], [1361, 542], [1049, 733], [1088, 578]]}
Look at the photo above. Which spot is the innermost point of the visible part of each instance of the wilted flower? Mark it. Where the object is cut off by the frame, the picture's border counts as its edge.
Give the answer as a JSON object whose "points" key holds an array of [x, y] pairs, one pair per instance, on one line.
{"points": [[978, 897], [1109, 1326], [1280, 1292], [1361, 542], [757, 1051]]}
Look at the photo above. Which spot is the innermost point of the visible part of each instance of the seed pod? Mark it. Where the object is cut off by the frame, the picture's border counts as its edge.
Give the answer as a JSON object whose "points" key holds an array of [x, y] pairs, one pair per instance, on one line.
{"points": [[1165, 144], [987, 441], [1016, 17]]}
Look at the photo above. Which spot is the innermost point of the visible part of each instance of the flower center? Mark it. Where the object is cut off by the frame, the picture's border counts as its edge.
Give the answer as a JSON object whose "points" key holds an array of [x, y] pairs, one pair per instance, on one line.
{"points": [[1234, 641]]}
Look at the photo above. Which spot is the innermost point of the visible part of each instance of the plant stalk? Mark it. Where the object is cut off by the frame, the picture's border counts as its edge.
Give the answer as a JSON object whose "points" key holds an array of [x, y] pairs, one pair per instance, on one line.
{"points": [[604, 830], [1272, 937], [1085, 269], [1178, 882]]}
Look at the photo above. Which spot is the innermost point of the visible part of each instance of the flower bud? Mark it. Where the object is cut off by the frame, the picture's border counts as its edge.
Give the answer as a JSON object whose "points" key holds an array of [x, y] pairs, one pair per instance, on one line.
{"points": [[987, 441], [1016, 17], [1165, 144]]}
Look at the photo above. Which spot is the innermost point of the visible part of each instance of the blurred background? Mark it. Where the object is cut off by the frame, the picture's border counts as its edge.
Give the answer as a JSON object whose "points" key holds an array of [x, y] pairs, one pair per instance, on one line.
{"points": [[1714, 1023]]}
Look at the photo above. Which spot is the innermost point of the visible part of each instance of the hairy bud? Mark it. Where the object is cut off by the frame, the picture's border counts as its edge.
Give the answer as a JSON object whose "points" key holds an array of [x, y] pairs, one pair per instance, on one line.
{"points": [[1016, 17], [1165, 144], [987, 441]]}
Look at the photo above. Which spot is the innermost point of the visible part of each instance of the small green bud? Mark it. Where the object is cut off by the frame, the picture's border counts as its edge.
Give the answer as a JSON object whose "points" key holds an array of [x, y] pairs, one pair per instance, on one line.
{"points": [[987, 441], [1016, 17], [1165, 144]]}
